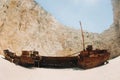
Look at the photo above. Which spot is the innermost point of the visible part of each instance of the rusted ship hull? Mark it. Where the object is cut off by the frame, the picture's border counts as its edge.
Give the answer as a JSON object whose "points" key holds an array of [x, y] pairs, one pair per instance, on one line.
{"points": [[30, 60], [93, 61], [58, 62], [86, 59], [42, 61], [9, 55], [24, 61]]}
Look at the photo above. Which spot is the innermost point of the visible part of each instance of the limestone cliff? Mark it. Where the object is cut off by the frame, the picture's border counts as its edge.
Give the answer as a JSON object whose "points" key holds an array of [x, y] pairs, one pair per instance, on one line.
{"points": [[111, 37], [25, 25]]}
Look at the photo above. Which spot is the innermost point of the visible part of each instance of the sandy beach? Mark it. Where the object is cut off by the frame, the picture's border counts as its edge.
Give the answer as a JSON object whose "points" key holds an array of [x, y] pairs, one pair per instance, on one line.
{"points": [[10, 71]]}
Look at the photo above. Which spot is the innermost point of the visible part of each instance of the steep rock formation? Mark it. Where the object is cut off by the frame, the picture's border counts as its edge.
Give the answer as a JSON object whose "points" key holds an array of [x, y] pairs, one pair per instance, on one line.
{"points": [[24, 25], [116, 10], [111, 37]]}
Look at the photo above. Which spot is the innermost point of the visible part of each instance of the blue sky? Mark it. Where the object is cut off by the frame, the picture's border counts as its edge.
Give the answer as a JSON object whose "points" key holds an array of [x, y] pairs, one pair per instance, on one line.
{"points": [[95, 15]]}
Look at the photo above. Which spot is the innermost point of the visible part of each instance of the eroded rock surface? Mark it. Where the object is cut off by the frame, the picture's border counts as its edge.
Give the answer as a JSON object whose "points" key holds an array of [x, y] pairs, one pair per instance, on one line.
{"points": [[25, 25]]}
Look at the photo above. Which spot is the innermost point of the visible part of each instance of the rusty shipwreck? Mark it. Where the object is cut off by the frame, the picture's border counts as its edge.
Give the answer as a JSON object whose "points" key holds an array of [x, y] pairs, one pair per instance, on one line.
{"points": [[86, 59]]}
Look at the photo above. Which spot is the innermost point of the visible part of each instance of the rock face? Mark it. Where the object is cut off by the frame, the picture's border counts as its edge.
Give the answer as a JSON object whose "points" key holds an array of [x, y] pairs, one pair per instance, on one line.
{"points": [[24, 25], [116, 9], [111, 37]]}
